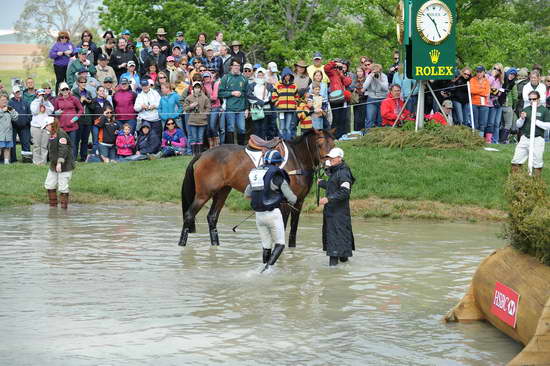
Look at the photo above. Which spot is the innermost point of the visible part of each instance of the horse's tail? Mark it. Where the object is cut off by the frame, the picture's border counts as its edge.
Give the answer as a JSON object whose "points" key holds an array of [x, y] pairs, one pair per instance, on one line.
{"points": [[188, 187]]}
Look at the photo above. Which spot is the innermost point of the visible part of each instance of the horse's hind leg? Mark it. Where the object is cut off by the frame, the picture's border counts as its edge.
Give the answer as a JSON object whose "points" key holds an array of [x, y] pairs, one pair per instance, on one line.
{"points": [[189, 218], [294, 219], [218, 200]]}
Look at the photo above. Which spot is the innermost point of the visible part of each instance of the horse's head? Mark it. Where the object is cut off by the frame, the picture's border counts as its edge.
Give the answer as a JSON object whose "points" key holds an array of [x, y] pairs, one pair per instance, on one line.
{"points": [[325, 142]]}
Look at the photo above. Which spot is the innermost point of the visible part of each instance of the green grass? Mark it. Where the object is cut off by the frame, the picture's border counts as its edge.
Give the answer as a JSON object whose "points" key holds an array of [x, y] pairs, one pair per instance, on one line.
{"points": [[40, 75], [406, 177]]}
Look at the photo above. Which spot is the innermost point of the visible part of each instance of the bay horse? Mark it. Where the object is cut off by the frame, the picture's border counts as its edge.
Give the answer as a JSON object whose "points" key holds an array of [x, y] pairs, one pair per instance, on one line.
{"points": [[215, 172]]}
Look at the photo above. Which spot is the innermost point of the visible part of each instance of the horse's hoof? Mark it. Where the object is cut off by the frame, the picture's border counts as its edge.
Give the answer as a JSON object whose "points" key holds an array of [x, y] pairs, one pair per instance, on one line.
{"points": [[292, 245], [192, 228], [183, 237], [214, 238]]}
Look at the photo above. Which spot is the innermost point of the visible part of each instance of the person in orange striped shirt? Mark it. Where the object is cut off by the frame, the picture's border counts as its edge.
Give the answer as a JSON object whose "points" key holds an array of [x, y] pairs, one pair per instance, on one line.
{"points": [[285, 99]]}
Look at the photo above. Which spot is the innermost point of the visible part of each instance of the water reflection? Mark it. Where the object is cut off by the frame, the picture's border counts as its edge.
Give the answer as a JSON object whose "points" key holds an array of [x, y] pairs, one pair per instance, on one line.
{"points": [[109, 285]]}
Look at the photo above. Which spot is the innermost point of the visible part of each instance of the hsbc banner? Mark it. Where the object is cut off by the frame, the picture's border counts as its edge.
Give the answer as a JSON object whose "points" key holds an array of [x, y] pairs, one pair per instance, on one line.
{"points": [[505, 304]]}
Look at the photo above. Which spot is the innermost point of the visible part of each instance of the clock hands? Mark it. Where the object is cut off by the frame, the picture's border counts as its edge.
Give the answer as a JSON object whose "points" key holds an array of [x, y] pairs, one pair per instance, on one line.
{"points": [[435, 24]]}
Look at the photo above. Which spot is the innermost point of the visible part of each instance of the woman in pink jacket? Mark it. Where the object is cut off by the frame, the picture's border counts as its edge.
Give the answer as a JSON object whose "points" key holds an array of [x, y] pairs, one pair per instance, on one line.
{"points": [[211, 87], [123, 101], [70, 109]]}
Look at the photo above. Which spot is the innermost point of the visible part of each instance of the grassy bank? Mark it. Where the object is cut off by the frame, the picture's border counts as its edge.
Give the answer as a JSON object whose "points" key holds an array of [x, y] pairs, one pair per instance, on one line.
{"points": [[395, 183]]}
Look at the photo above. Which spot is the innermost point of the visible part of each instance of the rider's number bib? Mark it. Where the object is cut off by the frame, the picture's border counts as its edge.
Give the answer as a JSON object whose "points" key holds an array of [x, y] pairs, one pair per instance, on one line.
{"points": [[256, 179]]}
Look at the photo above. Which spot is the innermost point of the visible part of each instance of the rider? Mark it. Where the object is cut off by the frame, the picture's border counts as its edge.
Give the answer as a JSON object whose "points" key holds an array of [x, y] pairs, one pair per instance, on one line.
{"points": [[268, 187]]}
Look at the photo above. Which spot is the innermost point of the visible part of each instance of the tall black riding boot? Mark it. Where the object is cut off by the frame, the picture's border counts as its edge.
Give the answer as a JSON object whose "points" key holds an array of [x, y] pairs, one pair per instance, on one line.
{"points": [[333, 261], [265, 255], [229, 138], [343, 259], [275, 254], [240, 139]]}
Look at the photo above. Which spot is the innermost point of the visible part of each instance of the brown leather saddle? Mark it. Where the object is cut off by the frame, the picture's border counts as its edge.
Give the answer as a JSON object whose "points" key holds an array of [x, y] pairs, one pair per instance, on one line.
{"points": [[259, 144]]}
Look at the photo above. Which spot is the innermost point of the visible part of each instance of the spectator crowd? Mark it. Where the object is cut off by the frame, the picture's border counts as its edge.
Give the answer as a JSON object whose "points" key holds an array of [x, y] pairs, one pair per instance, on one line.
{"points": [[146, 97]]}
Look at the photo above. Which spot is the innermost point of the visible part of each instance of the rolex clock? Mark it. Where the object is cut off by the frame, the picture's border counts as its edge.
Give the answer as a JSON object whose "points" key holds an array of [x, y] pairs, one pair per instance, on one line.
{"points": [[434, 22]]}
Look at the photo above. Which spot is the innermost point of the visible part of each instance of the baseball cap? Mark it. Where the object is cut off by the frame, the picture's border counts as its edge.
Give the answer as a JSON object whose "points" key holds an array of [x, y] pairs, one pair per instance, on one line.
{"points": [[16, 89], [49, 120], [206, 74], [336, 152], [272, 66], [170, 58], [317, 55], [247, 66], [195, 83], [63, 85], [108, 79], [126, 32], [257, 66], [124, 81], [144, 82], [447, 104], [480, 68], [82, 70], [131, 63], [209, 48], [180, 33], [46, 85], [82, 51], [40, 91], [102, 57]]}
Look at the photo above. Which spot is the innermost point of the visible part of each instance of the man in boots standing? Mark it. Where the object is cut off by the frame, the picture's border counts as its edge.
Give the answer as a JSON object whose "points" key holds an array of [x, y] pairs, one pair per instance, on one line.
{"points": [[268, 187], [338, 239], [233, 88], [61, 163]]}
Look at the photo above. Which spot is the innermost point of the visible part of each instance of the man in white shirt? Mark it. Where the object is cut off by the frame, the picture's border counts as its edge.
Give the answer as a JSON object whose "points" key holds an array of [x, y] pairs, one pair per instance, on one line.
{"points": [[146, 104]]}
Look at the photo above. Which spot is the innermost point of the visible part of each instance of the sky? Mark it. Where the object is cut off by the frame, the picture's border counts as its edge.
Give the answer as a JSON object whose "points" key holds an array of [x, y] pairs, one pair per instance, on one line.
{"points": [[10, 13]]}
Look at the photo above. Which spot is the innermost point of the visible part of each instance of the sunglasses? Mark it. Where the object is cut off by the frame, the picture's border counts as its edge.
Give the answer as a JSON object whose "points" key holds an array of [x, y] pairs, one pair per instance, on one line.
{"points": [[247, 70], [496, 68], [533, 99], [64, 89], [467, 74], [47, 88], [162, 77], [170, 124], [146, 41], [82, 82], [63, 37], [108, 112]]}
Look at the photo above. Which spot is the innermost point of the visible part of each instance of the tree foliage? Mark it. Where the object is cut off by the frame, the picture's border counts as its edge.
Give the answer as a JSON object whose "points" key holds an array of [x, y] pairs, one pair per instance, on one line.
{"points": [[42, 20], [513, 32]]}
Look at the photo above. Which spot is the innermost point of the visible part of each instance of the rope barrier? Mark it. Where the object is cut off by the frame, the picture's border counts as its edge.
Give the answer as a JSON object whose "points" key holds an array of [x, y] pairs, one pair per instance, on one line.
{"points": [[268, 111]]}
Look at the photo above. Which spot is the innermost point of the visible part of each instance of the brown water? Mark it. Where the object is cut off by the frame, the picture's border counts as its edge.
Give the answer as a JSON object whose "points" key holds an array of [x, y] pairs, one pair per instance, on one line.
{"points": [[109, 286]]}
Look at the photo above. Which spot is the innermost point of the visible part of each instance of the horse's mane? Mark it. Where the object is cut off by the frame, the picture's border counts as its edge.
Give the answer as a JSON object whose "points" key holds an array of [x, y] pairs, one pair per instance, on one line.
{"points": [[300, 139]]}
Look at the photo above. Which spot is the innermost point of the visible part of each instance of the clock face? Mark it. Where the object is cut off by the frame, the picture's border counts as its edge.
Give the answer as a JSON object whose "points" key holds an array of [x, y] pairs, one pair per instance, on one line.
{"points": [[434, 22]]}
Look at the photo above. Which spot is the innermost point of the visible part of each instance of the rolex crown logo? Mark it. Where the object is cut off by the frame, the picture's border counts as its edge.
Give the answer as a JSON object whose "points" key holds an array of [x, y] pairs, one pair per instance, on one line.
{"points": [[434, 56]]}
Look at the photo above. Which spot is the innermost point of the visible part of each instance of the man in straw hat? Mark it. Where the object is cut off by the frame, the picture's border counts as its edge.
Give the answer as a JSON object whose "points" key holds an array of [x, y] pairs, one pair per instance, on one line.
{"points": [[237, 54], [301, 78], [163, 43]]}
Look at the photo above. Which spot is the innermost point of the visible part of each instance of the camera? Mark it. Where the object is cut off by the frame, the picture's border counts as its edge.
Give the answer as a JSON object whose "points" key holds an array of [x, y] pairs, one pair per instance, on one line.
{"points": [[377, 75], [340, 67]]}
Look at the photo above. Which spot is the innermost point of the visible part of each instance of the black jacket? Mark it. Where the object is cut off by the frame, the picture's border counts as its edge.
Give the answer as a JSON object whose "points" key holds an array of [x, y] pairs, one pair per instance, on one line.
{"points": [[119, 57], [460, 92], [109, 130], [338, 238]]}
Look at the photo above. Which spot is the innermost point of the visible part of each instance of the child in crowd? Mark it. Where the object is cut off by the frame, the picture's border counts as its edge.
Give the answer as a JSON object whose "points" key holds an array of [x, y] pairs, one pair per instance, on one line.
{"points": [[125, 142], [319, 106], [108, 131], [305, 110], [148, 144], [173, 140], [197, 104], [284, 98]]}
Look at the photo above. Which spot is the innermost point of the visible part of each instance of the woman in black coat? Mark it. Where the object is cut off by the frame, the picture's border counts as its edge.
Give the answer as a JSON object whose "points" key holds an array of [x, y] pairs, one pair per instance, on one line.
{"points": [[338, 239]]}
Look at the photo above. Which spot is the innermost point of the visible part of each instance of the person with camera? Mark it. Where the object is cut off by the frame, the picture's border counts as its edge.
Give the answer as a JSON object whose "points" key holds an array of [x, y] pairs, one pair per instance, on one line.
{"points": [[8, 115], [338, 241], [21, 127], [197, 104], [268, 187], [85, 121], [338, 94], [376, 88], [41, 108], [61, 53], [542, 123], [147, 104]]}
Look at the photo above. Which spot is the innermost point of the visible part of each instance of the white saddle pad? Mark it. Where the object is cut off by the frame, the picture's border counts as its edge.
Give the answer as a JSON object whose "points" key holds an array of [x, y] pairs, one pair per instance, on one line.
{"points": [[256, 156]]}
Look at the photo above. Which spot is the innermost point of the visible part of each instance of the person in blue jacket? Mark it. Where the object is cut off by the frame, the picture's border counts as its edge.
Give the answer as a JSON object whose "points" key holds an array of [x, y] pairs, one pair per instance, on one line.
{"points": [[170, 106], [22, 126]]}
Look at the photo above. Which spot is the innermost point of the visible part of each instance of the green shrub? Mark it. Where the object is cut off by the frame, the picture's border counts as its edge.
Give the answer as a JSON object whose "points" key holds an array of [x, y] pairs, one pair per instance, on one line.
{"points": [[433, 135], [528, 226]]}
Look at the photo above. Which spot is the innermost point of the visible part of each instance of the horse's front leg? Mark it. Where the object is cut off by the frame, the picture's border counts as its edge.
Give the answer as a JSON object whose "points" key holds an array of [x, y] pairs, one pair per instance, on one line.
{"points": [[218, 200], [294, 219]]}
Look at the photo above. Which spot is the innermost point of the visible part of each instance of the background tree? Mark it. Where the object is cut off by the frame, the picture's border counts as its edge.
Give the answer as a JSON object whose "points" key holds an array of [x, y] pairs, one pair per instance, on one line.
{"points": [[40, 21], [513, 32]]}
